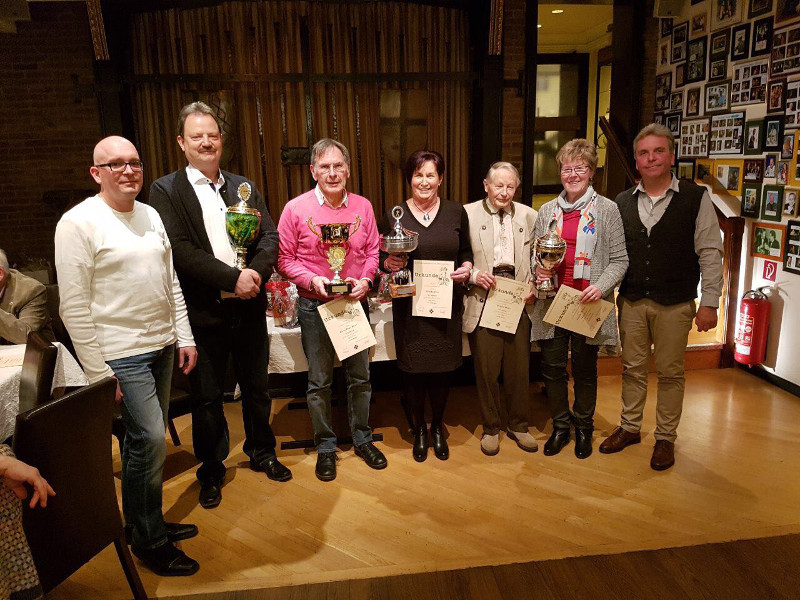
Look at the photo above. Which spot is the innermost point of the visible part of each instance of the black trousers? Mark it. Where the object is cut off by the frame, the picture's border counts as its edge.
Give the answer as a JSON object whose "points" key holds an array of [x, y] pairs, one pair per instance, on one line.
{"points": [[243, 334]]}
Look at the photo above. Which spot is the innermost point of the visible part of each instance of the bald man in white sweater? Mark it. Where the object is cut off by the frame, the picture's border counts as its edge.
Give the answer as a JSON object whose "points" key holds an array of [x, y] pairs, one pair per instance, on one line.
{"points": [[123, 307]]}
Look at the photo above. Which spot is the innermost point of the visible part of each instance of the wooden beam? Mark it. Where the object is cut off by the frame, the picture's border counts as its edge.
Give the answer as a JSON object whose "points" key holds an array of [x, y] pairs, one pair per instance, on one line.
{"points": [[98, 29]]}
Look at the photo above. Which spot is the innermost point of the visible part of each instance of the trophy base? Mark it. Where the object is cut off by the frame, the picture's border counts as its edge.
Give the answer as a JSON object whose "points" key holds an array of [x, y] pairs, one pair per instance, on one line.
{"points": [[545, 294], [335, 288], [402, 290]]}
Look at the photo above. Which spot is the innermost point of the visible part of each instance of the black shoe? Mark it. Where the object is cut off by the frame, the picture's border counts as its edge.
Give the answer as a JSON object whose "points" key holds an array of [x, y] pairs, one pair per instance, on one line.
{"points": [[371, 455], [210, 492], [438, 442], [420, 448], [272, 467], [167, 560], [175, 532], [558, 439], [583, 442], [326, 466]]}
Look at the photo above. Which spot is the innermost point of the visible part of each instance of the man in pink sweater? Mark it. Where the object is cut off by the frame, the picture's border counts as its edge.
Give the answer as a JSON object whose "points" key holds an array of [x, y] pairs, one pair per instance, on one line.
{"points": [[302, 259]]}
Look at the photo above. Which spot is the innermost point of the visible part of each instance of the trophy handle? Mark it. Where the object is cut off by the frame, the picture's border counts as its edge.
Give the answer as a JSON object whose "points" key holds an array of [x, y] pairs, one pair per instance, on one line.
{"points": [[358, 224], [310, 223]]}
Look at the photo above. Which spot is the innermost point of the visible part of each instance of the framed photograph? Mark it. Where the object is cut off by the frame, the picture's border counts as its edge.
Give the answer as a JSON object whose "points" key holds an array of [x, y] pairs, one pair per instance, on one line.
{"points": [[773, 134], [673, 123], [680, 75], [725, 13], [750, 82], [756, 8], [782, 172], [696, 59], [694, 137], [785, 56], [718, 69], [794, 164], [751, 200], [680, 34], [718, 97], [790, 200], [770, 166], [676, 101], [685, 169], [792, 112], [786, 10], [663, 90], [771, 202], [698, 23], [776, 96], [666, 27], [728, 176], [754, 137], [727, 132], [658, 118], [704, 172], [787, 147], [753, 170], [663, 55], [767, 241], [691, 107], [720, 44], [791, 252], [762, 37], [740, 42]]}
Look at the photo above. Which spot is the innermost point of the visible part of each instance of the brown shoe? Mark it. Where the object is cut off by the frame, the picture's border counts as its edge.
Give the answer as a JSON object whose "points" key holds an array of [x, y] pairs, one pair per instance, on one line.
{"points": [[663, 455], [618, 440]]}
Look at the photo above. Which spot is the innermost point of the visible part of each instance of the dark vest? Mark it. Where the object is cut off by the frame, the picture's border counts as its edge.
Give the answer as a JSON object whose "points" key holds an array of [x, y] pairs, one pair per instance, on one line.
{"points": [[664, 266]]}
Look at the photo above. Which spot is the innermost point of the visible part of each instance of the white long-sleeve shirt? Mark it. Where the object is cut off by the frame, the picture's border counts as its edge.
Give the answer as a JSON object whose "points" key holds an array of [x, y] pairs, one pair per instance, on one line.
{"points": [[120, 296]]}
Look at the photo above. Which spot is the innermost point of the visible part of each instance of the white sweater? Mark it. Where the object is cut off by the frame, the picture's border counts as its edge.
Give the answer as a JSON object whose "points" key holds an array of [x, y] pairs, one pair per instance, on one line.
{"points": [[120, 296]]}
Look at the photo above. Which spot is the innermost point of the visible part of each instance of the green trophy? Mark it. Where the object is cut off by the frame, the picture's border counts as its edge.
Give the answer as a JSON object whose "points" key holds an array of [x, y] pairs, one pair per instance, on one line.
{"points": [[243, 223]]}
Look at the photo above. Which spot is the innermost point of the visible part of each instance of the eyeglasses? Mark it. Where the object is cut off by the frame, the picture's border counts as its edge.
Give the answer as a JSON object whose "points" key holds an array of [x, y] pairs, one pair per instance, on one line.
{"points": [[337, 168], [118, 166], [579, 171]]}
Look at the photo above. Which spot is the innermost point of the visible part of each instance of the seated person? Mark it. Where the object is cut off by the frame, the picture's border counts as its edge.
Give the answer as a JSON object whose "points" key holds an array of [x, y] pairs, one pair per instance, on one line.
{"points": [[23, 306]]}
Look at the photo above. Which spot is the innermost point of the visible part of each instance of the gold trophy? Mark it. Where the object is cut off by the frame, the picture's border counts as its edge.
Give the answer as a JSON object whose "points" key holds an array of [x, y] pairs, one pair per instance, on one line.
{"points": [[243, 223], [334, 236], [400, 242], [548, 252]]}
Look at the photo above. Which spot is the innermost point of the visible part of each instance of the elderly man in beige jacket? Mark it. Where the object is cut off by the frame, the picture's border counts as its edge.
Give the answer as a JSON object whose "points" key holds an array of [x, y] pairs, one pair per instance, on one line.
{"points": [[501, 231]]}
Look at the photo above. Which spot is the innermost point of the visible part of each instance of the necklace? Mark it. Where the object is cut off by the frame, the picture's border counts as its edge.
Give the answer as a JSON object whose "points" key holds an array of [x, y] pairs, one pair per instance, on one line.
{"points": [[425, 213]]}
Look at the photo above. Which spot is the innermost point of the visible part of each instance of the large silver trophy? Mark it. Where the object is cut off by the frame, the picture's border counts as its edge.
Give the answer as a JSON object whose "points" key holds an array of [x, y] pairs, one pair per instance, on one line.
{"points": [[334, 237], [243, 222], [548, 252], [399, 243]]}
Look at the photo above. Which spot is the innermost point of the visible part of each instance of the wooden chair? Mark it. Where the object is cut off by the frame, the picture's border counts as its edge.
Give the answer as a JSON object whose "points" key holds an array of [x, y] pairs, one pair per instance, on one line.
{"points": [[69, 441], [38, 370]]}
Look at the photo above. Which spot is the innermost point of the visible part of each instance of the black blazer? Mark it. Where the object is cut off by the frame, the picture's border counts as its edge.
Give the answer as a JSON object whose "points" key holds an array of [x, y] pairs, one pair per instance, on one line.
{"points": [[201, 275]]}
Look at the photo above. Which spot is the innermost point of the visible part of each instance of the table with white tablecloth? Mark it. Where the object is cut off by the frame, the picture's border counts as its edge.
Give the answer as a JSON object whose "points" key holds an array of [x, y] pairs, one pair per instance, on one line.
{"points": [[68, 374]]}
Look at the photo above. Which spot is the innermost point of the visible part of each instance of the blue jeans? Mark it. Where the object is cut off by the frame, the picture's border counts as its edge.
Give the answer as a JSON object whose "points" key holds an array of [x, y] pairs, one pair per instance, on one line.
{"points": [[584, 374], [321, 356], [145, 383]]}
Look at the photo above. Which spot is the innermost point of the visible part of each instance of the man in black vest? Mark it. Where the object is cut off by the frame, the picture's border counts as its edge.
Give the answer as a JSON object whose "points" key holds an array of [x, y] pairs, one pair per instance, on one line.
{"points": [[673, 240], [226, 305]]}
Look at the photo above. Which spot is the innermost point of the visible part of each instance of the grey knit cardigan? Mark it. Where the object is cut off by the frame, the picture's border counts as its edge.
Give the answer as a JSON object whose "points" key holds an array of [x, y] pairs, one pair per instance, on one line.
{"points": [[609, 264]]}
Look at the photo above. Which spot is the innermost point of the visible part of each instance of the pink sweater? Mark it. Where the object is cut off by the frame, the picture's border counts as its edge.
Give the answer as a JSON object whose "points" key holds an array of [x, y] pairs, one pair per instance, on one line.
{"points": [[302, 256]]}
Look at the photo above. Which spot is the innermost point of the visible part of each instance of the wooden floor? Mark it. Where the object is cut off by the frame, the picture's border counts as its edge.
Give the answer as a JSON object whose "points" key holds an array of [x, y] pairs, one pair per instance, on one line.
{"points": [[738, 456]]}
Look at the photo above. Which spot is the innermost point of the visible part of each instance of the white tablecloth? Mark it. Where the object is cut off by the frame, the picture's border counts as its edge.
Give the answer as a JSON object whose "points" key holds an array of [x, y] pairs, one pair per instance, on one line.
{"points": [[68, 374]]}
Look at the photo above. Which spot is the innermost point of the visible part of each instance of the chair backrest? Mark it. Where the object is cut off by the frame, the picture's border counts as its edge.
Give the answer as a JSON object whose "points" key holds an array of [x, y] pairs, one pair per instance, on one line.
{"points": [[59, 330], [69, 441], [38, 369]]}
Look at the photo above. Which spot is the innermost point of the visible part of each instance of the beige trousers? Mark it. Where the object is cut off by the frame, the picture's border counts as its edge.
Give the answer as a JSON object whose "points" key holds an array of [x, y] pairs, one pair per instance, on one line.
{"points": [[641, 324]]}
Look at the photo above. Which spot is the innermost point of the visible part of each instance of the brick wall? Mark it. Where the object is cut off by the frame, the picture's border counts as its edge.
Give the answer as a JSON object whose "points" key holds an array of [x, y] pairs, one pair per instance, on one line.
{"points": [[48, 134], [513, 62]]}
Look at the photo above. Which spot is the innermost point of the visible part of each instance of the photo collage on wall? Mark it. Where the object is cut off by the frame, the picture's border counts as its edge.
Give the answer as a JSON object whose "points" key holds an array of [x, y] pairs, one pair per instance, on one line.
{"points": [[728, 83]]}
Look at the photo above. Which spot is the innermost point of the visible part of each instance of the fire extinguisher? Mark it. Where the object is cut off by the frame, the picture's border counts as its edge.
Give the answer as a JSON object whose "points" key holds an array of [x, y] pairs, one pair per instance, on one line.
{"points": [[751, 335]]}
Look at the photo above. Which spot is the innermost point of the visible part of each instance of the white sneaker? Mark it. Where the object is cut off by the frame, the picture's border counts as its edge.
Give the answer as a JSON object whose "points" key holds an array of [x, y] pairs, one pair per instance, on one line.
{"points": [[490, 444], [524, 440]]}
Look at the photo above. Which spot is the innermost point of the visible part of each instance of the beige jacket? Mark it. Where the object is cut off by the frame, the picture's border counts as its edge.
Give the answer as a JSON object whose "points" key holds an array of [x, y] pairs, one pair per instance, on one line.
{"points": [[481, 234], [23, 309]]}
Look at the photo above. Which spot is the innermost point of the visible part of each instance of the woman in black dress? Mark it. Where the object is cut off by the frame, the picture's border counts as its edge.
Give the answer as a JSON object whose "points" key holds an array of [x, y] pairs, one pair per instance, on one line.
{"points": [[429, 349]]}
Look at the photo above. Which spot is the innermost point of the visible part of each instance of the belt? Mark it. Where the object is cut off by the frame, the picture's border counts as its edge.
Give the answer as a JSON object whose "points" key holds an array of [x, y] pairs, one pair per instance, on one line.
{"points": [[503, 272]]}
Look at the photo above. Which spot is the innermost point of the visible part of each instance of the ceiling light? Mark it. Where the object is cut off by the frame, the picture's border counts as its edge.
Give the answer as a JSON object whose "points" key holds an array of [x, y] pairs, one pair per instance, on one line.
{"points": [[558, 11]]}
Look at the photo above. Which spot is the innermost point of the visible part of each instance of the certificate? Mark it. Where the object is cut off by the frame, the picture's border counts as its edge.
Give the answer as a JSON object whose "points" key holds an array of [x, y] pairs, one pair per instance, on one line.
{"points": [[504, 304], [434, 297], [347, 326], [567, 312]]}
